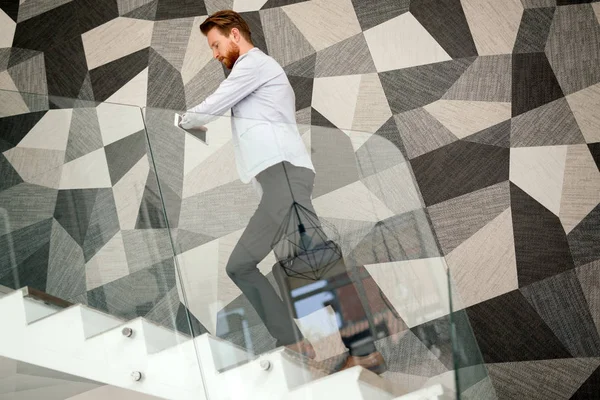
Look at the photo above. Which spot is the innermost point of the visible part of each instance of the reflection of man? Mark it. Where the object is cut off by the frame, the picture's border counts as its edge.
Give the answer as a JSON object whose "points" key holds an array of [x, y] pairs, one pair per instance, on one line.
{"points": [[269, 151]]}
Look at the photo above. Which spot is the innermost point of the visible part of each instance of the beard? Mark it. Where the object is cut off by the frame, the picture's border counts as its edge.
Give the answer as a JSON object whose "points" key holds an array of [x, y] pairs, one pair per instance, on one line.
{"points": [[233, 53]]}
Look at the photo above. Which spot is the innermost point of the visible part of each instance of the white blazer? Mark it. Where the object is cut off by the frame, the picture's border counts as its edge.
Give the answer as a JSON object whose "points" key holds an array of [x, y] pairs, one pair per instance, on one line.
{"points": [[263, 107]]}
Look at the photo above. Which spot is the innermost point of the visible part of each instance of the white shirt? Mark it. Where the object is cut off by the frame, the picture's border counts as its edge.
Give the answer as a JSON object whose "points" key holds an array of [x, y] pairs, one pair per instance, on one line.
{"points": [[263, 108]]}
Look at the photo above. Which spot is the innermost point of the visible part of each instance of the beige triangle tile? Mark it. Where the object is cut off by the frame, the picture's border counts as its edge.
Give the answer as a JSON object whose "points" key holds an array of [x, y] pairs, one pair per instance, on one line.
{"points": [[585, 105], [424, 294], [7, 30], [596, 7], [372, 108], [129, 192], [484, 266], [11, 102], [247, 5], [336, 97], [51, 132], [410, 45], [86, 172], [324, 22], [197, 281], [116, 38], [216, 170], [7, 83], [539, 171], [581, 187], [494, 25], [421, 132], [355, 202], [133, 92], [38, 166], [118, 121], [108, 264], [197, 53], [358, 138], [464, 118]]}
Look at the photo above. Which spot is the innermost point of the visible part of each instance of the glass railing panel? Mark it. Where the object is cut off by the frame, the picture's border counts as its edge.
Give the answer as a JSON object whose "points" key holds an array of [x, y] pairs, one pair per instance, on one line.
{"points": [[388, 293], [85, 219]]}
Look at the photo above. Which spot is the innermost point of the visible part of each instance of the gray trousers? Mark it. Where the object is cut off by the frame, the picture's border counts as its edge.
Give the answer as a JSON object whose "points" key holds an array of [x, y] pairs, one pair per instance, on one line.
{"points": [[255, 244]]}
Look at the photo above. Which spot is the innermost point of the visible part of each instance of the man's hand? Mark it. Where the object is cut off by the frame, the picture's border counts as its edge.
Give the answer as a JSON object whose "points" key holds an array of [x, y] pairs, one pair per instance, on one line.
{"points": [[192, 121]]}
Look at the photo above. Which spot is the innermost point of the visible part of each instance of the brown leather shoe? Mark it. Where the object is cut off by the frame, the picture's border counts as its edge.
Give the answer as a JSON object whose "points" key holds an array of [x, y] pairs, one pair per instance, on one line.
{"points": [[303, 347], [373, 362]]}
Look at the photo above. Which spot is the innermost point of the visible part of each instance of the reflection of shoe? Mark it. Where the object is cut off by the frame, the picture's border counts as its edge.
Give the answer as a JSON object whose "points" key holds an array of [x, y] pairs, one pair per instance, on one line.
{"points": [[303, 347], [373, 362]]}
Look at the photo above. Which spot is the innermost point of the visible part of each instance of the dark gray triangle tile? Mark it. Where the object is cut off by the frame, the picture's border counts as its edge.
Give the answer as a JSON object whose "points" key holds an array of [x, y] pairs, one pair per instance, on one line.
{"points": [[11, 8], [123, 154], [252, 18], [304, 67], [31, 272], [445, 20], [590, 388], [10, 177], [84, 133], [92, 13], [152, 207], [348, 57], [533, 82], [541, 246], [165, 85], [66, 68], [24, 205], [109, 78], [415, 87], [14, 128], [561, 303], [487, 79], [508, 329], [370, 15], [319, 120], [66, 265], [49, 29], [146, 12], [538, 3], [19, 246], [497, 135], [595, 150], [29, 76], [73, 211], [172, 9], [280, 3], [103, 223], [572, 47], [550, 125], [534, 29], [4, 58], [584, 239], [571, 2], [86, 92], [303, 88], [187, 323], [459, 168]]}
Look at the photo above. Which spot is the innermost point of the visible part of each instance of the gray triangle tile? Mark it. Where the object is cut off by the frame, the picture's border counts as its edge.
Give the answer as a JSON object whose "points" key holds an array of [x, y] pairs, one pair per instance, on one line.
{"points": [[84, 133], [304, 67], [497, 135], [165, 85], [25, 204], [31, 272], [285, 42], [561, 303], [73, 211], [422, 133], [103, 223], [10, 177], [146, 247], [123, 154], [574, 32], [538, 3], [146, 12], [487, 79], [584, 239], [126, 6], [14, 128], [458, 219], [170, 39], [370, 15], [550, 125], [19, 55], [4, 58], [348, 57], [66, 265], [414, 87], [279, 3]]}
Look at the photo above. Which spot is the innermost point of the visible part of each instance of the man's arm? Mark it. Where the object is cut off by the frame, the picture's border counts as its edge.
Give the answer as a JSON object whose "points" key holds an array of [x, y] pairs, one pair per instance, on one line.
{"points": [[243, 80]]}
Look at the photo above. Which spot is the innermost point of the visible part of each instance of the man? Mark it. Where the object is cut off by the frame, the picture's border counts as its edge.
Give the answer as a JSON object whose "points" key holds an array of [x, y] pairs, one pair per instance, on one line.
{"points": [[269, 152]]}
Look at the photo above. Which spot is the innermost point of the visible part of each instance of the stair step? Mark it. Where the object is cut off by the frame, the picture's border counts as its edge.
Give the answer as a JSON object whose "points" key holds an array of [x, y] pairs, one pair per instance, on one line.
{"points": [[96, 322]]}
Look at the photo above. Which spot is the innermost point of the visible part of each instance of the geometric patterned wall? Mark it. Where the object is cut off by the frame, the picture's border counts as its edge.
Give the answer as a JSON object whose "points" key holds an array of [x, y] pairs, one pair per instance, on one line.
{"points": [[495, 107]]}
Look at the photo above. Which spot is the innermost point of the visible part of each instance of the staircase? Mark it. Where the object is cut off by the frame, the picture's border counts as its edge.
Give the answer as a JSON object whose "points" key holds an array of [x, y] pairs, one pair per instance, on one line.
{"points": [[142, 356]]}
